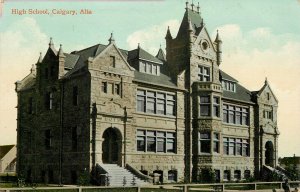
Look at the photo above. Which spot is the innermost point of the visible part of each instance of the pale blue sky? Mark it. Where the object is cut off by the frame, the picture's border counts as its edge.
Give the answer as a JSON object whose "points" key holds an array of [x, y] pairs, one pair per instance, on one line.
{"points": [[261, 38]]}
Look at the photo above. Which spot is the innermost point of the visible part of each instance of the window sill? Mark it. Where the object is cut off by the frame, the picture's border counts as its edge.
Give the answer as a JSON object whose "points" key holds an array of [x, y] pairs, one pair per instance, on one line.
{"points": [[236, 125], [155, 115]]}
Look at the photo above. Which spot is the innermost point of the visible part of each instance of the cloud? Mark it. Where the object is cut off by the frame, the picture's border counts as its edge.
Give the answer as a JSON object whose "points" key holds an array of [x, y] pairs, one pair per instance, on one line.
{"points": [[19, 50], [151, 37], [251, 56]]}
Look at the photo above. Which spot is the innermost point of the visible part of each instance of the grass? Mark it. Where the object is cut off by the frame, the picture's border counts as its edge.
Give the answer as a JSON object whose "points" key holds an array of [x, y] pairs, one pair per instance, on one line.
{"points": [[111, 190], [267, 186]]}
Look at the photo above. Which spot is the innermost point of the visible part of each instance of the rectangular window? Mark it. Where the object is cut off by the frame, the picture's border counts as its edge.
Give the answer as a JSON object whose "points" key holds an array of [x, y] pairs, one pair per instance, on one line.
{"points": [[237, 175], [204, 106], [204, 142], [74, 139], [141, 100], [226, 175], [75, 95], [204, 74], [247, 174], [112, 61], [143, 67], [104, 87], [229, 86], [172, 175], [48, 137], [235, 115], [155, 102], [216, 143], [155, 141], [216, 107]]}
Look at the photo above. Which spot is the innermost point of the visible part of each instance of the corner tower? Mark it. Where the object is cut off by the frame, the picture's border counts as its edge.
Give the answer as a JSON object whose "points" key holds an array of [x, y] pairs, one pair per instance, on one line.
{"points": [[194, 59]]}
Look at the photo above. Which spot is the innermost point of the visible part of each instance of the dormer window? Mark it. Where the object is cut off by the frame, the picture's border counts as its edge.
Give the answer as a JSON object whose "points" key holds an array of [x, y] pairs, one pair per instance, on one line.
{"points": [[204, 73], [229, 86], [150, 68]]}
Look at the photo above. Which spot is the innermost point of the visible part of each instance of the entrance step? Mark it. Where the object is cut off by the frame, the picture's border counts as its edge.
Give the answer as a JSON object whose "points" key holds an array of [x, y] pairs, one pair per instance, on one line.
{"points": [[119, 176]]}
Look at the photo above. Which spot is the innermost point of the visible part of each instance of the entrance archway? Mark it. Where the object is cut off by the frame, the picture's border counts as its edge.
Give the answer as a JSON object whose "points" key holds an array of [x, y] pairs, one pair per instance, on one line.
{"points": [[269, 154], [111, 146]]}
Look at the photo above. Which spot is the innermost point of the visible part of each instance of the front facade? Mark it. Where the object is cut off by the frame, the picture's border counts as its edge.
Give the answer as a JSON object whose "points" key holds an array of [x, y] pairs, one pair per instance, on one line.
{"points": [[177, 115]]}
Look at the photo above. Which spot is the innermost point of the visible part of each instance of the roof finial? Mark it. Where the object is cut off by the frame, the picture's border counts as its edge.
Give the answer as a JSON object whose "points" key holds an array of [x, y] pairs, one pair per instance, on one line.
{"points": [[198, 8], [40, 58], [168, 35], [51, 44], [266, 81], [139, 46], [202, 22], [186, 4], [192, 5], [32, 70], [60, 51], [111, 39]]}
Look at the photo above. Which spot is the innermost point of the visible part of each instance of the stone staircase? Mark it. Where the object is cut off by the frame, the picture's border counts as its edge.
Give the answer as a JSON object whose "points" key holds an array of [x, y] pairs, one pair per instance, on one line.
{"points": [[269, 171], [119, 176]]}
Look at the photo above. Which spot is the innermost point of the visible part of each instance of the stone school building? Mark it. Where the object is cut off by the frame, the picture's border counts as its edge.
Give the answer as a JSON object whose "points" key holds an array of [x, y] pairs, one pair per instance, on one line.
{"points": [[176, 114]]}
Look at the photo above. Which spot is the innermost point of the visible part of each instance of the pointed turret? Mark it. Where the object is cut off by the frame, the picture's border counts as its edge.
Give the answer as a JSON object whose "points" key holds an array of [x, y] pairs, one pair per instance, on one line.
{"points": [[40, 60], [60, 51], [111, 39], [168, 35], [161, 55], [61, 62], [218, 43]]}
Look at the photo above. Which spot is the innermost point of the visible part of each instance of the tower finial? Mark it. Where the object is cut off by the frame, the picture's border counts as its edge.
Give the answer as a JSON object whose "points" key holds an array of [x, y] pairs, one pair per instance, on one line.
{"points": [[60, 51], [139, 46], [51, 44], [186, 4], [40, 58], [111, 39], [192, 5], [198, 8], [266, 80], [168, 35]]}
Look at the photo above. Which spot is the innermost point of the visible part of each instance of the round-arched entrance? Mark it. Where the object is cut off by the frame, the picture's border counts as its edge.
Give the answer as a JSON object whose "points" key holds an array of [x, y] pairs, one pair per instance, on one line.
{"points": [[111, 146], [269, 154]]}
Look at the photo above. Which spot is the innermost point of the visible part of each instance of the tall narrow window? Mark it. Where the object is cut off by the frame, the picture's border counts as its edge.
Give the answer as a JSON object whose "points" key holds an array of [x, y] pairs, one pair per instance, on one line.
{"points": [[226, 175], [246, 147], [49, 101], [151, 141], [225, 113], [112, 61], [170, 104], [238, 115], [161, 141], [104, 87], [161, 102], [237, 175], [204, 106], [216, 143], [117, 89], [150, 102], [231, 114], [74, 138], [204, 142], [172, 175], [226, 146], [141, 140], [141, 100], [245, 116], [171, 142], [75, 96], [216, 107], [48, 137], [239, 145], [231, 146]]}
